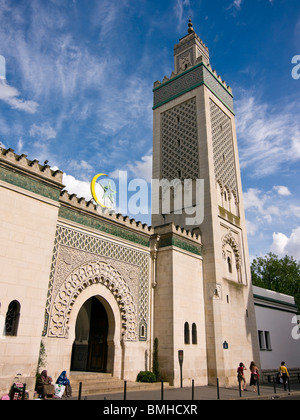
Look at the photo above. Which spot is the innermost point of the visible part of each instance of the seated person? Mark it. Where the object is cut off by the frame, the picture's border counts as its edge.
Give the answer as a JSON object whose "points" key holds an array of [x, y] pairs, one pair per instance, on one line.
{"points": [[63, 380], [45, 386]]}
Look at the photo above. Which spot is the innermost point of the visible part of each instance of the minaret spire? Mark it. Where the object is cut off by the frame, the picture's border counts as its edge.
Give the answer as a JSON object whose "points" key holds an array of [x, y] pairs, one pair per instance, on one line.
{"points": [[190, 26]]}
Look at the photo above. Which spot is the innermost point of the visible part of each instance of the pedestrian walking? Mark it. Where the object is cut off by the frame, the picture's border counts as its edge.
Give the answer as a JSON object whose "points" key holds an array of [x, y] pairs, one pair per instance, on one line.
{"points": [[254, 376], [284, 374], [241, 376]]}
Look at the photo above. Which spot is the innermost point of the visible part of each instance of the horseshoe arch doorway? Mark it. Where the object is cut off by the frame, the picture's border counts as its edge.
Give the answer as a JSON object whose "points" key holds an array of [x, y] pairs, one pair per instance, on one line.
{"points": [[93, 327]]}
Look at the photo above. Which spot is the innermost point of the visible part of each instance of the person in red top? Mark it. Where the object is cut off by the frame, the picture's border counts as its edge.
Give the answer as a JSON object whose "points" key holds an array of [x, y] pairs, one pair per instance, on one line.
{"points": [[241, 376]]}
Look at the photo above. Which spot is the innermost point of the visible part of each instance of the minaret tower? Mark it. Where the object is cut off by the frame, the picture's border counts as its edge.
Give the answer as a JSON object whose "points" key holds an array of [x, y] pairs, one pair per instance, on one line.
{"points": [[194, 138]]}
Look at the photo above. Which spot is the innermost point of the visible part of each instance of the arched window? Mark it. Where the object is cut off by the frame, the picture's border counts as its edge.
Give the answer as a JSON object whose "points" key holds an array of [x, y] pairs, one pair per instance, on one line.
{"points": [[229, 264], [186, 333], [12, 318], [194, 333]]}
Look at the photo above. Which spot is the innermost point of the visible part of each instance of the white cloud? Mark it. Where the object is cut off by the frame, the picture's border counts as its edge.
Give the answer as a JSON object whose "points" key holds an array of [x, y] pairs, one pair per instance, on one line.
{"points": [[295, 210], [237, 3], [20, 145], [180, 13], [83, 167], [269, 138], [252, 228], [45, 131], [74, 186], [255, 198], [283, 245], [142, 169], [282, 190], [269, 215], [10, 95]]}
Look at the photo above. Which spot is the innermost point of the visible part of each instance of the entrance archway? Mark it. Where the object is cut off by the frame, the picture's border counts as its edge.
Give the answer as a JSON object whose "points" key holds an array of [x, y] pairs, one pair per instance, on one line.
{"points": [[92, 330]]}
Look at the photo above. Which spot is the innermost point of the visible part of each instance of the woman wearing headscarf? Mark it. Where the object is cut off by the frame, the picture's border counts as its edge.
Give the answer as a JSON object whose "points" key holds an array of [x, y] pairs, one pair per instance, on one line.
{"points": [[63, 380], [45, 386]]}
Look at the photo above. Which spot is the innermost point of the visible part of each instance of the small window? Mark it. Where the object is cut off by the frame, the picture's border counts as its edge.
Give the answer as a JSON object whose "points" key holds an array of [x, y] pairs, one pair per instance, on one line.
{"points": [[12, 318], [186, 333], [143, 331], [194, 333], [268, 340], [261, 340], [229, 264]]}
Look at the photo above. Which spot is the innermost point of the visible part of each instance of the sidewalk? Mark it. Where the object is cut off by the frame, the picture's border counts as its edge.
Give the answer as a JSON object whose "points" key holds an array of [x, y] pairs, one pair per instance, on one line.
{"points": [[200, 393]]}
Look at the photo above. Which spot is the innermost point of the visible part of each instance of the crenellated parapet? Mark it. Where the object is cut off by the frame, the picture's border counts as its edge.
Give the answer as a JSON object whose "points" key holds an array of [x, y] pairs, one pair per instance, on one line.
{"points": [[30, 174], [189, 79], [88, 214], [192, 69], [176, 236], [199, 62]]}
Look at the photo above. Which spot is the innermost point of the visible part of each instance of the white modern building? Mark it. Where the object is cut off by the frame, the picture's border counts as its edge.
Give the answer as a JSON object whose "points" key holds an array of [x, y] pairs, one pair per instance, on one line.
{"points": [[278, 330]]}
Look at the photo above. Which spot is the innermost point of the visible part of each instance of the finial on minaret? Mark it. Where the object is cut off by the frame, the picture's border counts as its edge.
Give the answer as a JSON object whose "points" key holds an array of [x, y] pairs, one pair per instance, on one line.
{"points": [[190, 28]]}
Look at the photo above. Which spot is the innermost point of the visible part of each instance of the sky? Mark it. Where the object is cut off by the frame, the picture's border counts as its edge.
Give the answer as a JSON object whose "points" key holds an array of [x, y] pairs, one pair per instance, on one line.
{"points": [[77, 80]]}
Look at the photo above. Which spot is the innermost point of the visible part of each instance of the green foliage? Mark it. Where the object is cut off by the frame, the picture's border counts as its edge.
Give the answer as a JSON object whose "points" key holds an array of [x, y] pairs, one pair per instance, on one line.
{"points": [[146, 376], [278, 274], [155, 368], [41, 362], [42, 357]]}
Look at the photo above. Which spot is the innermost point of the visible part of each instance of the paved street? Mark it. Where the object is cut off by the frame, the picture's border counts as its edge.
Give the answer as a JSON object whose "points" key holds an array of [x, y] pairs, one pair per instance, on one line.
{"points": [[200, 393]]}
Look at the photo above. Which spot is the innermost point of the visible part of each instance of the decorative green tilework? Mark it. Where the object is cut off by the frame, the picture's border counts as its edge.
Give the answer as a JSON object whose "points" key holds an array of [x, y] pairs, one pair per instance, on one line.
{"points": [[29, 184], [192, 78], [172, 240], [99, 224]]}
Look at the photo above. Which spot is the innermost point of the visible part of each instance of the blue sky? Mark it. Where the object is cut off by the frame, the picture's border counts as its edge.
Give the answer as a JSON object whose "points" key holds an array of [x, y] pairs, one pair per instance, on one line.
{"points": [[78, 92]]}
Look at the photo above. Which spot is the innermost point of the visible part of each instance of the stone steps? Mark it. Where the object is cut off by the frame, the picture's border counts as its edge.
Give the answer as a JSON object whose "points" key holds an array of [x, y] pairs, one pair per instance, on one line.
{"points": [[104, 383]]}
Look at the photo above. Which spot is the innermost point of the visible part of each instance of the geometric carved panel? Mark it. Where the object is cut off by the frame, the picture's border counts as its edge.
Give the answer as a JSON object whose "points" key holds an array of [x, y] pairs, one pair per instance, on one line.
{"points": [[96, 272], [224, 162], [129, 272], [179, 140]]}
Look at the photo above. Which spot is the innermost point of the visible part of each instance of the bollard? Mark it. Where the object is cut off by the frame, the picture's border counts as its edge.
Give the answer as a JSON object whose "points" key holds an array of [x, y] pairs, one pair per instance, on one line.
{"points": [[125, 390], [289, 386], [218, 389], [240, 388], [258, 389], [79, 392], [162, 390], [193, 389]]}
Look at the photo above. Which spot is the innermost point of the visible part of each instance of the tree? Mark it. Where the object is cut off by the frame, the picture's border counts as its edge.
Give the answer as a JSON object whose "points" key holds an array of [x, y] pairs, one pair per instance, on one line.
{"points": [[278, 274]]}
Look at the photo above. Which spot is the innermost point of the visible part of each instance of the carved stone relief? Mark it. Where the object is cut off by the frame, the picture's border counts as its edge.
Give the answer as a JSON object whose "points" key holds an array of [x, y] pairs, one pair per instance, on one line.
{"points": [[92, 272], [80, 260]]}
